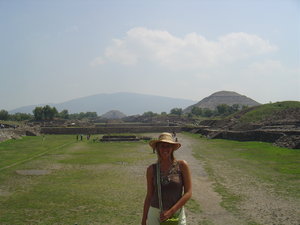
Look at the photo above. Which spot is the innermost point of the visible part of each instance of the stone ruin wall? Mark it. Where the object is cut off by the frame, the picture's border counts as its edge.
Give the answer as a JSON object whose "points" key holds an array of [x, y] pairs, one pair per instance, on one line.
{"points": [[109, 130], [250, 135], [16, 133], [288, 139], [6, 134]]}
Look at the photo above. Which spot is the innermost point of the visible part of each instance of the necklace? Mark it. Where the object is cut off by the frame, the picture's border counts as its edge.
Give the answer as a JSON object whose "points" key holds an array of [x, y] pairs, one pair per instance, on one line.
{"points": [[165, 177]]}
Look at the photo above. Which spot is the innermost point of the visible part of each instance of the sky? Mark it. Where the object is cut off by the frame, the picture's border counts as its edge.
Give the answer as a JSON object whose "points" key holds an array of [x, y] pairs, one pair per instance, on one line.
{"points": [[52, 51]]}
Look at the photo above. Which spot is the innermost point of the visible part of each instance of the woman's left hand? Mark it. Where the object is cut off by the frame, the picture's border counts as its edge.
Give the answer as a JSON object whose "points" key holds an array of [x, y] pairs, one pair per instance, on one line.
{"points": [[165, 215]]}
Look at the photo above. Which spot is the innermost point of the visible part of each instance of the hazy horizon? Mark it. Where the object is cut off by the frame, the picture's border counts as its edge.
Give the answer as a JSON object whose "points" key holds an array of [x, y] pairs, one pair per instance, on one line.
{"points": [[197, 100], [53, 103], [56, 51]]}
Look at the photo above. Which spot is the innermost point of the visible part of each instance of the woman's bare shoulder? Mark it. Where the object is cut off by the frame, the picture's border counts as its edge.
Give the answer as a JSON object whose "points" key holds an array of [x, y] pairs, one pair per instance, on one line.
{"points": [[150, 169], [183, 164]]}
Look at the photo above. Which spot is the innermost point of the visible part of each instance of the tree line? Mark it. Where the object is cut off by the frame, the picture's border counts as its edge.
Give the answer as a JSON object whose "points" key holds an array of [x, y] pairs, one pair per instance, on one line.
{"points": [[45, 113], [221, 110], [49, 113]]}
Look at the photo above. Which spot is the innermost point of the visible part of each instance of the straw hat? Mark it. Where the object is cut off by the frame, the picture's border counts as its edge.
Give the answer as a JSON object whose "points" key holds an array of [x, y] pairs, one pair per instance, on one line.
{"points": [[167, 138]]}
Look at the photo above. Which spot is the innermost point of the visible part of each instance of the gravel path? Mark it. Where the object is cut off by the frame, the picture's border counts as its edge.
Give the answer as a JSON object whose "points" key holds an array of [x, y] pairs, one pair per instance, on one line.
{"points": [[259, 203], [203, 193]]}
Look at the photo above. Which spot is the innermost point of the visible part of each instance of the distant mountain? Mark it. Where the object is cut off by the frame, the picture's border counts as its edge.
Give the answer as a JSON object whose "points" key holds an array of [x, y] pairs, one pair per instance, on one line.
{"points": [[223, 97], [113, 114], [128, 103]]}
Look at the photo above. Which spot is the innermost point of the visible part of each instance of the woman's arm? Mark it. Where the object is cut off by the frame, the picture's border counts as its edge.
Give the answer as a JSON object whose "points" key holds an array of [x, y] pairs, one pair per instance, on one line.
{"points": [[150, 189], [187, 184]]}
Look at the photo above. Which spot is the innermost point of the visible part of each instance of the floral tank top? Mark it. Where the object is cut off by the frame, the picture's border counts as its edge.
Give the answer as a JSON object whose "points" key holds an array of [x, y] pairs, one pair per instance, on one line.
{"points": [[171, 187]]}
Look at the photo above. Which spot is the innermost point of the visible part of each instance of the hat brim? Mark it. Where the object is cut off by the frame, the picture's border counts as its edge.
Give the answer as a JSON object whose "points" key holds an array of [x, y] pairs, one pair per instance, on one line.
{"points": [[176, 145]]}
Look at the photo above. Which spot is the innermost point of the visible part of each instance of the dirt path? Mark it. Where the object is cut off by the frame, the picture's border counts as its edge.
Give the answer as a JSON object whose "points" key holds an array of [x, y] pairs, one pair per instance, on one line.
{"points": [[203, 193], [260, 205]]}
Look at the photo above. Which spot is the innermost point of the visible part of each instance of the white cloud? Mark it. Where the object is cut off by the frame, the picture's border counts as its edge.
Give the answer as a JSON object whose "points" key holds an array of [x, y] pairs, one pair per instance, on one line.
{"points": [[267, 67], [190, 52], [234, 46], [97, 61], [121, 52]]}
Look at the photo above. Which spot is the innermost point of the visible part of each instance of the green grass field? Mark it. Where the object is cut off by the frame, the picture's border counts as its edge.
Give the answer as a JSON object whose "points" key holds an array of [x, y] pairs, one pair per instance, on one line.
{"points": [[86, 182], [58, 180]]}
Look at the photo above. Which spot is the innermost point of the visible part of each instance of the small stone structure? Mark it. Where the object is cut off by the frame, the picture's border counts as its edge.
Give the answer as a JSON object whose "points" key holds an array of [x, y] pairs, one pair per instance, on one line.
{"points": [[108, 138]]}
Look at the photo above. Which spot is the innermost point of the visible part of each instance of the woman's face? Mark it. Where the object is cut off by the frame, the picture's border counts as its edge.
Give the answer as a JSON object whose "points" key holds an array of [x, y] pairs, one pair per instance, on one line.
{"points": [[165, 150]]}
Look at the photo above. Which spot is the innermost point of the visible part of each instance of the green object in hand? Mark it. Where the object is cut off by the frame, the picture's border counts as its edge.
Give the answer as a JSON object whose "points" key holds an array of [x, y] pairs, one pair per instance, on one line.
{"points": [[171, 221]]}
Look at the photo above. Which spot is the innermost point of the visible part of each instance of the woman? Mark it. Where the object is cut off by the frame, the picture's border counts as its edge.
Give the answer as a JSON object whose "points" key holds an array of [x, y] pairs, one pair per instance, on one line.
{"points": [[176, 185]]}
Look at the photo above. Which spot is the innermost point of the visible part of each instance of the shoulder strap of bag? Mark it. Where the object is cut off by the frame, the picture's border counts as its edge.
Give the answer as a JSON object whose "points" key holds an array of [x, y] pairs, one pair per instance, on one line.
{"points": [[159, 186]]}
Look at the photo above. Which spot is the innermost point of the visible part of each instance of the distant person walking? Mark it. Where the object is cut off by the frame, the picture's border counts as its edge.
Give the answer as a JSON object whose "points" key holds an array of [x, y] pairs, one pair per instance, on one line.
{"points": [[169, 184], [174, 136]]}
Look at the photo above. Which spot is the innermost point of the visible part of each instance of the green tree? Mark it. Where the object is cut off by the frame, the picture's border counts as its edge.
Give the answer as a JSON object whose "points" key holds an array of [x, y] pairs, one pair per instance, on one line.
{"points": [[207, 112], [4, 115], [38, 113], [44, 113], [49, 112], [223, 109], [149, 114], [197, 111], [235, 107], [64, 114], [81, 115], [21, 116], [90, 115], [73, 116], [176, 111]]}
